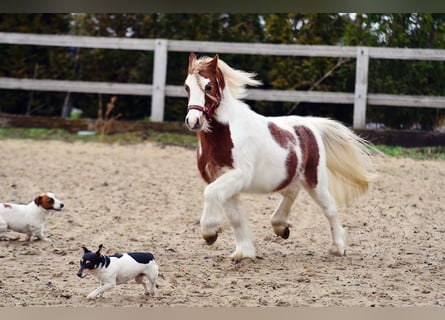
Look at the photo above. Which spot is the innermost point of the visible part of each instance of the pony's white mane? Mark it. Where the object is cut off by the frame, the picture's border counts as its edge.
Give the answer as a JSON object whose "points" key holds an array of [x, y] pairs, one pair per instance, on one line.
{"points": [[236, 80]]}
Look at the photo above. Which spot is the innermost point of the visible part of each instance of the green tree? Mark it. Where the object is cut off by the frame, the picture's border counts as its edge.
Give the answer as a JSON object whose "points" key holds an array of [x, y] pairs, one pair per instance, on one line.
{"points": [[34, 62], [290, 73], [410, 30], [306, 73]]}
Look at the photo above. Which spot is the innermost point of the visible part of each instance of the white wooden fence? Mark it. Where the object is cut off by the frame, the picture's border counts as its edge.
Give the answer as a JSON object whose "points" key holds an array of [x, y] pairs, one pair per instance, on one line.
{"points": [[159, 89]]}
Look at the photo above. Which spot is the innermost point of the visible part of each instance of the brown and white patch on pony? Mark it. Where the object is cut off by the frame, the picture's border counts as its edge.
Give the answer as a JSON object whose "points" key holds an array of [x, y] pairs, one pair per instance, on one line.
{"points": [[291, 169], [285, 140], [209, 79], [215, 151], [310, 154], [283, 137], [7, 205]]}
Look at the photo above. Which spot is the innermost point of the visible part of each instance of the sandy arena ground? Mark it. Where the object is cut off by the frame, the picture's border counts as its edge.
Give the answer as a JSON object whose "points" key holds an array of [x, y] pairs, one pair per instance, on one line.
{"points": [[149, 197]]}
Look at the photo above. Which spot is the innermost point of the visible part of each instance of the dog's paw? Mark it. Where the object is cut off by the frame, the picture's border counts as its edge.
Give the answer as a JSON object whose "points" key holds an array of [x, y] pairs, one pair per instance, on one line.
{"points": [[9, 238]]}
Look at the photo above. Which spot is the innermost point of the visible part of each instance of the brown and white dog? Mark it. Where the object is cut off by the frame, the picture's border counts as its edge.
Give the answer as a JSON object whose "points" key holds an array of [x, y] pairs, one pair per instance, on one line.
{"points": [[28, 218]]}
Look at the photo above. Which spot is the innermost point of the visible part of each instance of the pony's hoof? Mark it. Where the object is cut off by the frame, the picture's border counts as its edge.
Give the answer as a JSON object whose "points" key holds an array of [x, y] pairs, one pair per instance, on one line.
{"points": [[281, 229], [286, 233], [210, 239], [237, 256], [336, 251]]}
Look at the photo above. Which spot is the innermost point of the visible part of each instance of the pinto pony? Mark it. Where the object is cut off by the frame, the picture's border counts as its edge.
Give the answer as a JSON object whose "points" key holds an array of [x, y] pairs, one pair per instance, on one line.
{"points": [[242, 151]]}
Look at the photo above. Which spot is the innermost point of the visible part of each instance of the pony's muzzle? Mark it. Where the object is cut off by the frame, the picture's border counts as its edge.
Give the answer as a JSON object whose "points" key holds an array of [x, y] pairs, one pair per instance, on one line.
{"points": [[195, 118], [192, 124]]}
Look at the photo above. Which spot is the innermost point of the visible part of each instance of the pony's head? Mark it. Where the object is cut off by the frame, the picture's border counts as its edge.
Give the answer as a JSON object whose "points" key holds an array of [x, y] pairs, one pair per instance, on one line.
{"points": [[205, 83]]}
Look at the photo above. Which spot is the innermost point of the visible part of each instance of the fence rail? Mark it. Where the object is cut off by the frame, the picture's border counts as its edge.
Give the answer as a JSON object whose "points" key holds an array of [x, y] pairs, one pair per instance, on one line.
{"points": [[159, 89]]}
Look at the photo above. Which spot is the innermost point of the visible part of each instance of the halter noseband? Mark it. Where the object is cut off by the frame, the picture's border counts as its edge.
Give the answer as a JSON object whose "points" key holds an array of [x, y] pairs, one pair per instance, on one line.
{"points": [[208, 109]]}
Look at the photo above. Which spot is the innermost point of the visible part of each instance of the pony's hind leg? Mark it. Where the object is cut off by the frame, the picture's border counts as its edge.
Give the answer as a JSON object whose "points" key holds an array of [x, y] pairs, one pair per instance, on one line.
{"points": [[279, 219], [244, 244], [327, 203]]}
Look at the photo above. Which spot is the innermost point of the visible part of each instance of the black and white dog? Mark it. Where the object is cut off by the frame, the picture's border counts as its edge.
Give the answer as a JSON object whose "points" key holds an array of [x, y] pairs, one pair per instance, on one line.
{"points": [[118, 269]]}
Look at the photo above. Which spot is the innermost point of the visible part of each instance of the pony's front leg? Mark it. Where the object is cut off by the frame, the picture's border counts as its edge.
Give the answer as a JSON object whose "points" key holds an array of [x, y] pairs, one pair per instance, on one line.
{"points": [[211, 219], [215, 195], [243, 237]]}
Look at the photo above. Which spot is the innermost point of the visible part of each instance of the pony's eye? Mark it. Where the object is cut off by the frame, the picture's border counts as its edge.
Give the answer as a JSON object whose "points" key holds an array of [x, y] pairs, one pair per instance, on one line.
{"points": [[208, 87]]}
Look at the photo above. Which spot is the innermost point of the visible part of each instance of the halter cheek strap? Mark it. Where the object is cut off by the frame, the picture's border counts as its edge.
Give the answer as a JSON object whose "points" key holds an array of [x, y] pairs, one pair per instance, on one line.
{"points": [[208, 109]]}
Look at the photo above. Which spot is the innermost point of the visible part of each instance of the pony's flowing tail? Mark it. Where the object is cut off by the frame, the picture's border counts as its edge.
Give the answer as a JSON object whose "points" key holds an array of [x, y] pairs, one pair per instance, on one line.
{"points": [[348, 159]]}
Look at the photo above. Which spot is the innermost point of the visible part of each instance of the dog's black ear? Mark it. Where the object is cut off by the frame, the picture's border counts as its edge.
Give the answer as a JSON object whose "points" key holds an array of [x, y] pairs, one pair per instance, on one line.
{"points": [[85, 250], [99, 251]]}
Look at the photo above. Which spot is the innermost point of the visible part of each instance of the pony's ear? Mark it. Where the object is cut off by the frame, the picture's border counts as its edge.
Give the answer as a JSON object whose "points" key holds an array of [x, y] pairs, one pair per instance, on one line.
{"points": [[99, 251], [213, 63], [85, 250], [192, 58]]}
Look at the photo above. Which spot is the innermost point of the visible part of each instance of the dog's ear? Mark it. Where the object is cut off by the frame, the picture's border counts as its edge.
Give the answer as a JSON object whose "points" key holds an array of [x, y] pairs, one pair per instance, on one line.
{"points": [[85, 250], [99, 251], [38, 200]]}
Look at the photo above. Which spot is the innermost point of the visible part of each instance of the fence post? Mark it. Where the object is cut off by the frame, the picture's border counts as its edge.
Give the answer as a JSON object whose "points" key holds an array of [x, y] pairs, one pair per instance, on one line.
{"points": [[361, 88], [159, 78]]}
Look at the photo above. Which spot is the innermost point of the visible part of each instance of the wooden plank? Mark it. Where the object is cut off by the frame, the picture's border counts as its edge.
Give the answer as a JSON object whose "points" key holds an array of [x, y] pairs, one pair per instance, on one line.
{"points": [[406, 101], [219, 47], [407, 54], [280, 95], [262, 48], [75, 125], [176, 45], [405, 138], [159, 79], [76, 41], [253, 94], [175, 91], [300, 96], [361, 88], [76, 86]]}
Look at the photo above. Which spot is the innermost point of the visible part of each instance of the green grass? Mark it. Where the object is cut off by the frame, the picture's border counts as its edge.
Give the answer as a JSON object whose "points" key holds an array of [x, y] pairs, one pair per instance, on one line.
{"points": [[120, 138], [422, 153], [184, 140]]}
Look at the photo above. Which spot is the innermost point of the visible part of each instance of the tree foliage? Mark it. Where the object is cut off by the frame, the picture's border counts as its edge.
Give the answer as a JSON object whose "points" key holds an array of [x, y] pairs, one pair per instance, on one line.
{"points": [[403, 30], [413, 30], [33, 62]]}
